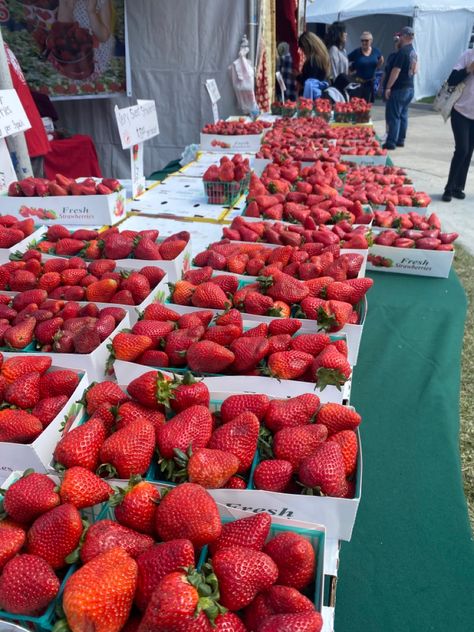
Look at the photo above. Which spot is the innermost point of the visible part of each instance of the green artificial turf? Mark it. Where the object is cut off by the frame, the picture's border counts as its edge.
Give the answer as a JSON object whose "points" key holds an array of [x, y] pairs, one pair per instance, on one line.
{"points": [[464, 265]]}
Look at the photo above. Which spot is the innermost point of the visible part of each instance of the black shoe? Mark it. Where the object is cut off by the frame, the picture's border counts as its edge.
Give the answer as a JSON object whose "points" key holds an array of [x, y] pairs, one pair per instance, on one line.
{"points": [[446, 197], [400, 144], [385, 146], [460, 195]]}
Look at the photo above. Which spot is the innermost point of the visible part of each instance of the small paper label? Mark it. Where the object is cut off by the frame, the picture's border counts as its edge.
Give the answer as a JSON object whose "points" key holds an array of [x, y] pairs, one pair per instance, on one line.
{"points": [[7, 172], [213, 90], [13, 117], [282, 85], [215, 112], [138, 177], [137, 123]]}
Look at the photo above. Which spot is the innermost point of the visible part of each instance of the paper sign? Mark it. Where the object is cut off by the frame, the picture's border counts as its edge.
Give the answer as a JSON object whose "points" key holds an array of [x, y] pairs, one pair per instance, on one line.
{"points": [[7, 172], [137, 123], [282, 85], [13, 117], [213, 90], [215, 112], [138, 176]]}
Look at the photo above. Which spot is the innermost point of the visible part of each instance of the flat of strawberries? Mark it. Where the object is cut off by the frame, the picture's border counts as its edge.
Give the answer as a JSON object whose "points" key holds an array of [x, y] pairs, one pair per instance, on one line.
{"points": [[32, 396], [13, 230], [76, 280], [111, 244], [62, 186], [166, 339]]}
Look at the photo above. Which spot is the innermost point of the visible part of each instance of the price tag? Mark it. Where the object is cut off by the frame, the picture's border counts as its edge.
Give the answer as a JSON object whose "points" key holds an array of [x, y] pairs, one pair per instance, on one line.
{"points": [[282, 85], [138, 176], [7, 172], [213, 90], [137, 123], [13, 117]]}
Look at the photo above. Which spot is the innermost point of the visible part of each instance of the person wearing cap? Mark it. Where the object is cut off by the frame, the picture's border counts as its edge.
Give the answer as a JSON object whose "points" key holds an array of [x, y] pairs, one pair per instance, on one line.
{"points": [[400, 90], [462, 123], [364, 61]]}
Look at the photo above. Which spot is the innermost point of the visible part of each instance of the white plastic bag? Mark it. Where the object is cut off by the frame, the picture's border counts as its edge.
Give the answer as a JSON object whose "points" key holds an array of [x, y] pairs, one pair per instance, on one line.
{"points": [[446, 98], [243, 80]]}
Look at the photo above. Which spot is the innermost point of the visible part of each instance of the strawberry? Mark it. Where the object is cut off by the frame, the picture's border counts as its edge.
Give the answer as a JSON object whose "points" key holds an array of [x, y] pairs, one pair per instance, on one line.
{"points": [[100, 392], [209, 294], [337, 417], [46, 331], [236, 482], [20, 301], [249, 352], [22, 280], [192, 426], [178, 342], [69, 246], [296, 411], [129, 451], [276, 600], [285, 288], [18, 426], [231, 317], [169, 250], [105, 326], [49, 408], [223, 334], [189, 392], [81, 446], [135, 505], [294, 557], [149, 389], [286, 326], [123, 297], [128, 347], [25, 391], [182, 292], [242, 573], [334, 315], [42, 583], [129, 411], [300, 622], [61, 382], [198, 276], [279, 343], [118, 313], [250, 532], [289, 365], [82, 488], [55, 534], [359, 288], [56, 232], [104, 535], [209, 357], [341, 346], [238, 437], [30, 496], [206, 467], [227, 283], [324, 471], [330, 367], [294, 444], [99, 595], [153, 274], [234, 405], [86, 340], [157, 562], [147, 249], [154, 358], [154, 329], [347, 439], [101, 291], [12, 539], [188, 511], [273, 475], [138, 285], [310, 343], [118, 246], [255, 303], [21, 335], [228, 622], [49, 281]]}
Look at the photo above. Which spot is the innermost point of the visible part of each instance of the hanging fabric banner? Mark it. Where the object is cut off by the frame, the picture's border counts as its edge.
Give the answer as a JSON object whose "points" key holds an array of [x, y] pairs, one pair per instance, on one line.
{"points": [[73, 49]]}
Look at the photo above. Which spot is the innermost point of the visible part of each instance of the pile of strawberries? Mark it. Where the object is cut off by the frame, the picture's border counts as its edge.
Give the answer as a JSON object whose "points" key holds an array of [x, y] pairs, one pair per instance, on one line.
{"points": [[241, 127], [76, 280], [355, 111], [165, 339], [62, 185], [226, 181], [342, 234], [308, 200], [54, 325], [431, 239], [309, 261], [112, 244], [31, 396], [391, 218], [13, 230], [380, 185], [142, 571]]}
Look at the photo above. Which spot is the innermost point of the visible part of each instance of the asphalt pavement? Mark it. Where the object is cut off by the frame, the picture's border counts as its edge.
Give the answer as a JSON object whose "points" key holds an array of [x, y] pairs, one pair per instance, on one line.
{"points": [[426, 157]]}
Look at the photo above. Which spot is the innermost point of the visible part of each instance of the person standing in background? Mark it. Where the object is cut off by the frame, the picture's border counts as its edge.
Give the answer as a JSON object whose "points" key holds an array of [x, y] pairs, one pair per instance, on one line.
{"points": [[285, 67], [336, 38], [364, 61], [462, 124], [399, 90], [317, 64]]}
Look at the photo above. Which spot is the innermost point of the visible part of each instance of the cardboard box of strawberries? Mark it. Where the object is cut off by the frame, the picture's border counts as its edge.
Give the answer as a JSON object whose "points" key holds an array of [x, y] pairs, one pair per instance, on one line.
{"points": [[15, 235], [147, 563]]}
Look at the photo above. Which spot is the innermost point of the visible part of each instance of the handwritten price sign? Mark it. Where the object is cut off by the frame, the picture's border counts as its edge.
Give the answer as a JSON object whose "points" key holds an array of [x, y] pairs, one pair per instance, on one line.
{"points": [[137, 123]]}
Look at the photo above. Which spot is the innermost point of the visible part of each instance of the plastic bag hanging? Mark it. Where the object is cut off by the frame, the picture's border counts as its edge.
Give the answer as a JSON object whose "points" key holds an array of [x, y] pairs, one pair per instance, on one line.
{"points": [[243, 80]]}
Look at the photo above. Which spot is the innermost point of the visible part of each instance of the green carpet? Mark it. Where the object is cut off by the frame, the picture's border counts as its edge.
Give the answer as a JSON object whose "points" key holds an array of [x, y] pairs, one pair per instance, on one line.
{"points": [[410, 564]]}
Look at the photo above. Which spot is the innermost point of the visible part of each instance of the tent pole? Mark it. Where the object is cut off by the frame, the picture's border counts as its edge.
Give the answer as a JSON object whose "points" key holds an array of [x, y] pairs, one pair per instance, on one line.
{"points": [[17, 143], [253, 24]]}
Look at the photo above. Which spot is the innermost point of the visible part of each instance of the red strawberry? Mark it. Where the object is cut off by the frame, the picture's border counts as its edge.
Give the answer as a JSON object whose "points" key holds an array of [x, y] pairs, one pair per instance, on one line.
{"points": [[154, 358], [22, 280], [302, 622], [227, 283], [69, 246], [22, 300], [118, 246], [135, 505], [242, 574], [279, 343], [138, 285], [30, 496], [18, 426], [249, 352], [12, 539], [147, 249], [178, 342], [192, 426], [196, 277], [21, 335], [296, 411], [234, 405], [311, 343], [101, 392], [54, 535], [337, 417], [129, 411], [294, 444], [324, 471], [188, 511], [61, 382], [295, 558], [287, 289], [255, 303], [82, 488], [231, 317], [330, 367], [35, 573], [148, 389], [189, 392], [334, 315], [129, 451], [25, 391], [206, 467], [104, 535], [235, 482], [209, 295], [223, 334], [98, 268], [154, 329], [251, 532], [276, 600], [157, 562], [238, 437], [347, 439], [259, 331], [209, 357], [81, 445], [169, 250], [359, 288], [129, 347], [273, 475], [289, 365], [49, 408]]}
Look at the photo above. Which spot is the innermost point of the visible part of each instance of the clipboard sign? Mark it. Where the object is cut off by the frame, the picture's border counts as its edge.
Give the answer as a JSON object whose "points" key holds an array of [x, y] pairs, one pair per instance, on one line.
{"points": [[137, 124], [214, 95], [282, 85]]}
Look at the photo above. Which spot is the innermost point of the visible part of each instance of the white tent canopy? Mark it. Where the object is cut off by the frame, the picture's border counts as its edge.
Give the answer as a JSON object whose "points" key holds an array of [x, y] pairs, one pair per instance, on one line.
{"points": [[442, 31]]}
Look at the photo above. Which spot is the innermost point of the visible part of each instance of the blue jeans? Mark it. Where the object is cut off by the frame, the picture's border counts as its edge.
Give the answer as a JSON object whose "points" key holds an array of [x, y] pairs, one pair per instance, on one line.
{"points": [[397, 115]]}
